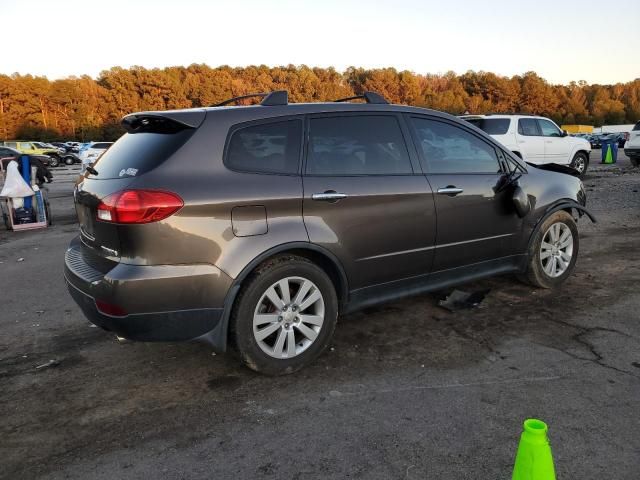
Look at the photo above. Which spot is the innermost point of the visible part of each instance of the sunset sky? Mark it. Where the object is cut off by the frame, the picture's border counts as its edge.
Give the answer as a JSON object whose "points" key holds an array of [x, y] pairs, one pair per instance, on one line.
{"points": [[561, 41]]}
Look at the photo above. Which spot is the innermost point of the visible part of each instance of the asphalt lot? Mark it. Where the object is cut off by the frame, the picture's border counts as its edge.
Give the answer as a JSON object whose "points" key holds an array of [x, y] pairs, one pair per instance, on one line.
{"points": [[408, 390]]}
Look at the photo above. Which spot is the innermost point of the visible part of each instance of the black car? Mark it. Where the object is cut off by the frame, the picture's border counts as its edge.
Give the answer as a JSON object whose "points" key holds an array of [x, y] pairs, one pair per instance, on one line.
{"points": [[257, 226]]}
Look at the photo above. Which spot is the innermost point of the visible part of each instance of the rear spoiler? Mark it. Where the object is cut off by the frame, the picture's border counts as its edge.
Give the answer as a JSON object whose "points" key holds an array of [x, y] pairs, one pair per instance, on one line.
{"points": [[169, 121]]}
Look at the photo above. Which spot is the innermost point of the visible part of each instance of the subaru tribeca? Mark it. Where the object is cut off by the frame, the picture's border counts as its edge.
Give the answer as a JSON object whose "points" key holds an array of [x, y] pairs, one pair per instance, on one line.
{"points": [[257, 226]]}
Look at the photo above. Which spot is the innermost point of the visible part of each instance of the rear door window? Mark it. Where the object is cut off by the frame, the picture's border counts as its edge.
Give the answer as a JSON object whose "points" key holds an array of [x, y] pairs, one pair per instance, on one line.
{"points": [[492, 126], [272, 147], [447, 148], [357, 145], [136, 153], [528, 127]]}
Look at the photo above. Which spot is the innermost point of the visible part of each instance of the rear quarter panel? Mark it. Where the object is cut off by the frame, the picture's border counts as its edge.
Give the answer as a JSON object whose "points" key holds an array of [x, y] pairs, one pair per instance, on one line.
{"points": [[202, 231]]}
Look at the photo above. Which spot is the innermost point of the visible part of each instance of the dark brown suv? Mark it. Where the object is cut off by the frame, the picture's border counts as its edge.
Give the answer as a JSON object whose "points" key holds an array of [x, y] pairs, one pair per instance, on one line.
{"points": [[257, 226]]}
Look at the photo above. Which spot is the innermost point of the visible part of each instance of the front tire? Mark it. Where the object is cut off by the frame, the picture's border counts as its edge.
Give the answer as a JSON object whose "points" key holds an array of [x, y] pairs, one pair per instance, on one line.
{"points": [[284, 316], [553, 252], [69, 160], [580, 163]]}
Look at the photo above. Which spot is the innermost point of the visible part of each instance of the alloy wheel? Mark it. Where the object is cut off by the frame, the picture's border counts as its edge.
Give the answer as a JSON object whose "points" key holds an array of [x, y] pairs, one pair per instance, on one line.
{"points": [[288, 317], [556, 249]]}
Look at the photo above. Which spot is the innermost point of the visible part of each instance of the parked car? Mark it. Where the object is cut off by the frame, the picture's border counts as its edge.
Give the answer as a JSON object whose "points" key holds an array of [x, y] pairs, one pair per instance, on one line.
{"points": [[31, 148], [257, 226], [71, 158], [537, 140], [632, 146], [595, 140], [73, 147], [8, 152], [92, 152]]}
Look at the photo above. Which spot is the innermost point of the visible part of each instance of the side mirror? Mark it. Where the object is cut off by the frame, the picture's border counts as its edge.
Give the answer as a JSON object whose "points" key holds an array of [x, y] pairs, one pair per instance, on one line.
{"points": [[521, 202], [565, 133]]}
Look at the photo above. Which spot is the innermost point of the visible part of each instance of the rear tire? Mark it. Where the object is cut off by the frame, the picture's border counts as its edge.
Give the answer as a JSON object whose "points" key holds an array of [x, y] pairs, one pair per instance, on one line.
{"points": [[555, 244], [580, 163], [69, 161], [282, 336]]}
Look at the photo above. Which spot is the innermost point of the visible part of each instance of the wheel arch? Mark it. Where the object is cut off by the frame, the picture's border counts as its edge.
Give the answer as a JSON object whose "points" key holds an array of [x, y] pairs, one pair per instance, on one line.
{"points": [[568, 206], [326, 260], [581, 150]]}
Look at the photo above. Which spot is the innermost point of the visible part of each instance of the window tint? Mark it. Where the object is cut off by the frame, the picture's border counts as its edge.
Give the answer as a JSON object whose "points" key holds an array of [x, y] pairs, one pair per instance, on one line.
{"points": [[492, 126], [528, 127], [636, 127], [450, 149], [357, 145], [266, 148], [548, 129], [136, 153]]}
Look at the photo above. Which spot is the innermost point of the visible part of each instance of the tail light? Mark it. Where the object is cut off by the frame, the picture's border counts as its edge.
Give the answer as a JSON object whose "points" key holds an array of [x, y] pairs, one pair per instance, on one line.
{"points": [[138, 206]]}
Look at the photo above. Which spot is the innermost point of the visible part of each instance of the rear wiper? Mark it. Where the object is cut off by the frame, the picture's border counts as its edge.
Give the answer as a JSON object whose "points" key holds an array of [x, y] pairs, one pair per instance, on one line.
{"points": [[91, 170]]}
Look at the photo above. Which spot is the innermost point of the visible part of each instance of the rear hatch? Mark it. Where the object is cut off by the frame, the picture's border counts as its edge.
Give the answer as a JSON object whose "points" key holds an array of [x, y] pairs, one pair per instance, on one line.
{"points": [[151, 138]]}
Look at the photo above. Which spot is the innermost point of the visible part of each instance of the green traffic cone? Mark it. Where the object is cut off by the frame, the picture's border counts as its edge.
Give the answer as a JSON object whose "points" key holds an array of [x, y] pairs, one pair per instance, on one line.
{"points": [[534, 460], [609, 157]]}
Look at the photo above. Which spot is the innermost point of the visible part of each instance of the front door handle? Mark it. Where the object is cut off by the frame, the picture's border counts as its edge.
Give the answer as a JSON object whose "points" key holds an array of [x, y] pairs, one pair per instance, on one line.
{"points": [[450, 190], [328, 196]]}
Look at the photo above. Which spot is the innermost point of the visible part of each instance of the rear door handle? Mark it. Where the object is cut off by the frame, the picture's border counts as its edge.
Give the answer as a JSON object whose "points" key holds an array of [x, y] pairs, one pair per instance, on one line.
{"points": [[328, 196], [450, 190]]}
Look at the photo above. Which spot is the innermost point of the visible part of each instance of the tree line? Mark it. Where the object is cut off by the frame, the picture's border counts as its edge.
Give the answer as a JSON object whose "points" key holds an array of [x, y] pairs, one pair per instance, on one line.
{"points": [[83, 108]]}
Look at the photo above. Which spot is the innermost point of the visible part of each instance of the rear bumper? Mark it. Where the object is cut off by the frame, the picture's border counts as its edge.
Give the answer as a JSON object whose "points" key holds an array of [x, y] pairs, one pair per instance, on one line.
{"points": [[162, 302], [632, 152]]}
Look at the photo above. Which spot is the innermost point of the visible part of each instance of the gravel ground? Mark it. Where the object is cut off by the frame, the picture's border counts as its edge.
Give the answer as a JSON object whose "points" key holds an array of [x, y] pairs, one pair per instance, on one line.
{"points": [[407, 391]]}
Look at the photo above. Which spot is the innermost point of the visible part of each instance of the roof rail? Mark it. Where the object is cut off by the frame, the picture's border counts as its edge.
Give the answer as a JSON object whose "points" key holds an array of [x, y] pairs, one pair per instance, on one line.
{"points": [[512, 113], [370, 97], [279, 97]]}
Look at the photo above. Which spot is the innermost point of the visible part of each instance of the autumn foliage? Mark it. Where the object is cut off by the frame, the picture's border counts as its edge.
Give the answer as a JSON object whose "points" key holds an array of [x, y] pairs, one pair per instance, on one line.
{"points": [[85, 108]]}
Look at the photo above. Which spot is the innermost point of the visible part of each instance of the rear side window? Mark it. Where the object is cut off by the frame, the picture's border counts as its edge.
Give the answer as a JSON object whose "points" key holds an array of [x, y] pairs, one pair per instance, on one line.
{"points": [[357, 145], [451, 149], [136, 153], [528, 127], [636, 127], [266, 148], [492, 126]]}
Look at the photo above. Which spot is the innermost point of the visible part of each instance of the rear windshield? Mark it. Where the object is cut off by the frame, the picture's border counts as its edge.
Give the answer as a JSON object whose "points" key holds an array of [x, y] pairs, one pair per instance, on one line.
{"points": [[136, 153], [492, 126]]}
